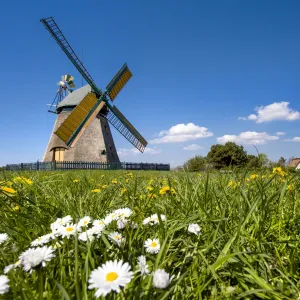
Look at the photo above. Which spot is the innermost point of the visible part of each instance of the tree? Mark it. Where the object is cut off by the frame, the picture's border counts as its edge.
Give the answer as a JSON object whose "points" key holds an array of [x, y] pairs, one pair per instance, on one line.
{"points": [[281, 162], [195, 164], [264, 160], [226, 155], [253, 161]]}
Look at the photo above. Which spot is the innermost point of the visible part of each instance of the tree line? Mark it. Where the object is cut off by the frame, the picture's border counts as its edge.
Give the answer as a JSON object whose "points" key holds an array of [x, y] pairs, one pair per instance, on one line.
{"points": [[229, 155]]}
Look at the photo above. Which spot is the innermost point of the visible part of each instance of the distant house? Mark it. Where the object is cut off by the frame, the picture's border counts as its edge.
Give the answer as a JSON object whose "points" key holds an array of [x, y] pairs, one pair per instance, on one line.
{"points": [[294, 162]]}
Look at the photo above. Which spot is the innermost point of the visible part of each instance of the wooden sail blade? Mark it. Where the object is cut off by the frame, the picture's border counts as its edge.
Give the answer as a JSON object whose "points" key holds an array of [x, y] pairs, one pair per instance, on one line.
{"points": [[74, 123], [118, 82]]}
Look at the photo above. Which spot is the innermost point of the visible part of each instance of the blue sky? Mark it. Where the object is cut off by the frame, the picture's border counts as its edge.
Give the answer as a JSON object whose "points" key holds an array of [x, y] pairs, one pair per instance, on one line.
{"points": [[208, 63]]}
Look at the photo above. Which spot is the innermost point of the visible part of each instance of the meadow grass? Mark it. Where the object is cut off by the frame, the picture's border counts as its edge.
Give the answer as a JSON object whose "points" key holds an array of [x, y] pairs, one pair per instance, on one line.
{"points": [[248, 247]]}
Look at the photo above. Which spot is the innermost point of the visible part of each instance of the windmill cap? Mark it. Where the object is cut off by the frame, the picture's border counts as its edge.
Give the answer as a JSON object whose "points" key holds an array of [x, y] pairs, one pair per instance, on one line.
{"points": [[74, 98]]}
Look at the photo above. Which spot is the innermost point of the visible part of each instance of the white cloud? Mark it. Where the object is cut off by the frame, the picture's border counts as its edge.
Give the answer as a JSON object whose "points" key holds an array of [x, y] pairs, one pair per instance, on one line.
{"points": [[280, 133], [295, 139], [248, 137], [182, 133], [134, 151], [274, 111], [192, 147]]}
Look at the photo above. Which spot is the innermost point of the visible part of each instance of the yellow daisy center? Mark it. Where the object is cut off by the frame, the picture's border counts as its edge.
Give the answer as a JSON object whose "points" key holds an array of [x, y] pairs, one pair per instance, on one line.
{"points": [[111, 276], [117, 237], [85, 222], [153, 244], [69, 229]]}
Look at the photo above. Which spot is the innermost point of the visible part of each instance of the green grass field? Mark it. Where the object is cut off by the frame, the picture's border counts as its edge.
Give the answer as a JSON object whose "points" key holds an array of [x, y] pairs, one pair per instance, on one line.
{"points": [[248, 246]]}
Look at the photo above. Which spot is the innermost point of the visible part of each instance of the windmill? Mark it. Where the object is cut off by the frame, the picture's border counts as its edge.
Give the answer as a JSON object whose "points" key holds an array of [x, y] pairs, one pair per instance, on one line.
{"points": [[66, 86], [81, 131]]}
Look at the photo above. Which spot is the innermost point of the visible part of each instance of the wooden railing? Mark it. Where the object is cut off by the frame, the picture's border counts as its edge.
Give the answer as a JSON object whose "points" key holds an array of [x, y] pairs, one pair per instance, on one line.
{"points": [[84, 165]]}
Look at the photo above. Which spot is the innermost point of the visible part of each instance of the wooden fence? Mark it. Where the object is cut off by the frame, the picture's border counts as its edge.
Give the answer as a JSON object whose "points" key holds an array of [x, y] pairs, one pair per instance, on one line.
{"points": [[83, 165]]}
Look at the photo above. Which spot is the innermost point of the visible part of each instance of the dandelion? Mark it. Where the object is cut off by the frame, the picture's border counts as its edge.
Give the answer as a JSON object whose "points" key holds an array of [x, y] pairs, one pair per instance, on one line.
{"points": [[96, 191], [104, 186], [4, 287], [117, 237], [84, 222], [75, 180], [194, 228], [68, 230], [28, 181], [7, 190], [3, 238], [34, 257], [290, 187], [161, 279], [110, 277], [149, 188], [253, 176], [142, 265], [152, 246], [114, 181], [167, 190], [123, 191], [44, 239]]}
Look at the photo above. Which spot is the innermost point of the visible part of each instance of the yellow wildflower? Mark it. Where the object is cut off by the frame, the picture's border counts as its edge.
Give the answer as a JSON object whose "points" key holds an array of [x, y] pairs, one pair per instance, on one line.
{"points": [[151, 181], [16, 208], [167, 189], [104, 186], [290, 187], [7, 190], [96, 191], [230, 183], [253, 176], [123, 190], [149, 188], [152, 196], [129, 174], [263, 176], [127, 180], [114, 181], [23, 179], [279, 171], [75, 180]]}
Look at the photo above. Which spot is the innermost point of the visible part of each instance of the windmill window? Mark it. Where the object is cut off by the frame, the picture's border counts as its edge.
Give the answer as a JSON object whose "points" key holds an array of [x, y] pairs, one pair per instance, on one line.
{"points": [[58, 154], [102, 152]]}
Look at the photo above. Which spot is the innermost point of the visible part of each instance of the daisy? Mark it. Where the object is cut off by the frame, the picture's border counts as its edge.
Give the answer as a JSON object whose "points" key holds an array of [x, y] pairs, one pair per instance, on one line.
{"points": [[87, 235], [35, 257], [3, 238], [142, 265], [56, 226], [110, 277], [44, 239], [68, 230], [11, 266], [161, 279], [117, 237], [4, 287], [124, 212], [152, 246], [121, 223], [84, 222], [194, 228]]}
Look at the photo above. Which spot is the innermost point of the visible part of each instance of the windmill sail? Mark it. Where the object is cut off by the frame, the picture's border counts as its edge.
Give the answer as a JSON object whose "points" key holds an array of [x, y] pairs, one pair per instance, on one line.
{"points": [[118, 120], [79, 119], [57, 34], [118, 82]]}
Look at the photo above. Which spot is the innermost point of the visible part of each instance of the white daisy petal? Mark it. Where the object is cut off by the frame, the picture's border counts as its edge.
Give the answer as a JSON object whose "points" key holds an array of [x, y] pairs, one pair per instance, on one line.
{"points": [[32, 258], [152, 246], [4, 287], [161, 279], [194, 228], [110, 277], [3, 237]]}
